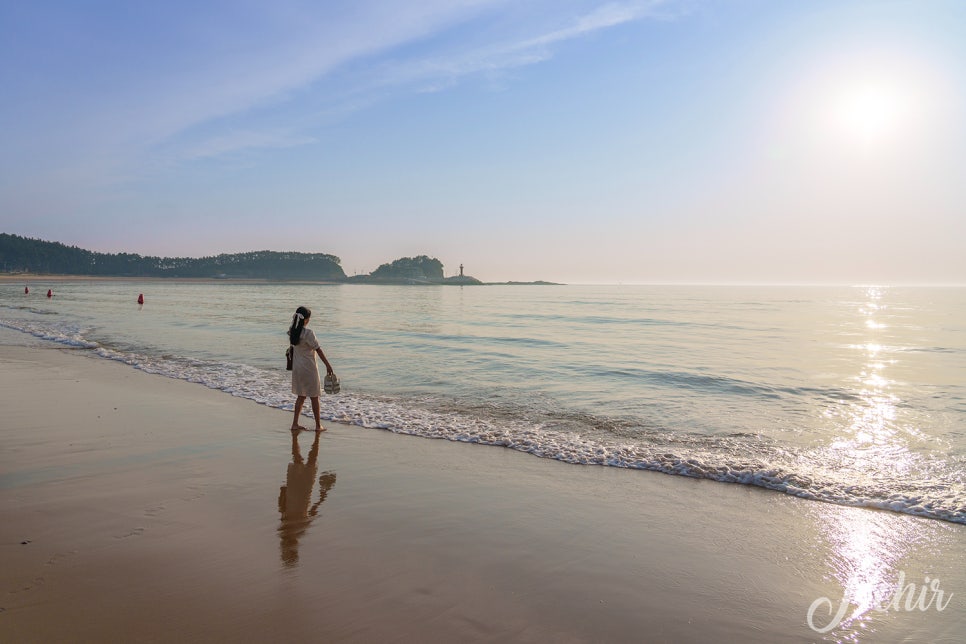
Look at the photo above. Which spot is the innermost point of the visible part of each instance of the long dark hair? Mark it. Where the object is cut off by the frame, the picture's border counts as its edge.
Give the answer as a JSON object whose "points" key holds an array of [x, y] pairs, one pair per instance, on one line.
{"points": [[301, 316]]}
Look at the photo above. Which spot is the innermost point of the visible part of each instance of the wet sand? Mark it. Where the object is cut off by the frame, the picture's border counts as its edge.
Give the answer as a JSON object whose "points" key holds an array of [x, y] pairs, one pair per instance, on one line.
{"points": [[140, 508]]}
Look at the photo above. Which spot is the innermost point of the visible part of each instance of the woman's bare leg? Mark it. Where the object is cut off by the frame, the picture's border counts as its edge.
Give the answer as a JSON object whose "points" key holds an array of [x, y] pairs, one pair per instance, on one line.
{"points": [[315, 412], [299, 401]]}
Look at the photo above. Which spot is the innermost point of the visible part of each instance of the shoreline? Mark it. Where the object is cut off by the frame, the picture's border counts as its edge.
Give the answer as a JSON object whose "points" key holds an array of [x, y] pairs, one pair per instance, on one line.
{"points": [[161, 499], [35, 277]]}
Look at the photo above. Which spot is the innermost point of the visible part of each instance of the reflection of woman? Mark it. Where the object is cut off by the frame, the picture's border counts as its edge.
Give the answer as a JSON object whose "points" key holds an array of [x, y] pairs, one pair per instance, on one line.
{"points": [[295, 497], [305, 373]]}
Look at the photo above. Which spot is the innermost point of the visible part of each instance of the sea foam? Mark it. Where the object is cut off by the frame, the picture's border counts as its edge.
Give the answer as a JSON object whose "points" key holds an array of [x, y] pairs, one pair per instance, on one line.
{"points": [[746, 459]]}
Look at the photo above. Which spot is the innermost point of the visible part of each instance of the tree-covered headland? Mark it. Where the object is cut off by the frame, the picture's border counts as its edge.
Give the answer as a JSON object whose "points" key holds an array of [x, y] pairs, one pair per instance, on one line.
{"points": [[24, 255]]}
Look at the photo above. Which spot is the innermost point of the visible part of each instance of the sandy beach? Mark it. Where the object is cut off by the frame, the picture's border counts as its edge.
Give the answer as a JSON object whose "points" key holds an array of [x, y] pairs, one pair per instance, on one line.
{"points": [[141, 508]]}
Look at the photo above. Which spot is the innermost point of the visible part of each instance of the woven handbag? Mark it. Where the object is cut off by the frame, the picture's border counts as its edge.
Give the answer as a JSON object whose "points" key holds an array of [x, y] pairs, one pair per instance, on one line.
{"points": [[331, 384]]}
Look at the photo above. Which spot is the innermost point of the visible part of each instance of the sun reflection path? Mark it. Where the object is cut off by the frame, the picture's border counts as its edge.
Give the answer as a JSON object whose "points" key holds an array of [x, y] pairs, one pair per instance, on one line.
{"points": [[867, 547], [867, 553], [870, 442]]}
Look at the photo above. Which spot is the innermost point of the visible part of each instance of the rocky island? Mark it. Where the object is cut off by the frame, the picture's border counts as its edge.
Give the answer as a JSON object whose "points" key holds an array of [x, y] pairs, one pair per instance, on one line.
{"points": [[413, 270]]}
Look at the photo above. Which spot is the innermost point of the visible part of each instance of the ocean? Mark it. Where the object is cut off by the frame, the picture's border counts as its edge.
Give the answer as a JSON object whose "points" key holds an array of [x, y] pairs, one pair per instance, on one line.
{"points": [[847, 395]]}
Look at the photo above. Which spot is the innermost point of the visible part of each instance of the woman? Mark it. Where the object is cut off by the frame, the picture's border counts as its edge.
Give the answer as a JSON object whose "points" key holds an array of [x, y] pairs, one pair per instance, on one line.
{"points": [[305, 373]]}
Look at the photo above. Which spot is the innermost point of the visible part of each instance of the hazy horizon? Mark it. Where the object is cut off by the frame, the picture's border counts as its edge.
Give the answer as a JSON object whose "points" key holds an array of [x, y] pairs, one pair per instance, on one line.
{"points": [[634, 142], [451, 271]]}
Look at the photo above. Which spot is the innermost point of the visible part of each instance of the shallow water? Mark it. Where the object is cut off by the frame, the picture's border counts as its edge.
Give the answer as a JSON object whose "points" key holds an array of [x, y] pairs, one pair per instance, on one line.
{"points": [[852, 395]]}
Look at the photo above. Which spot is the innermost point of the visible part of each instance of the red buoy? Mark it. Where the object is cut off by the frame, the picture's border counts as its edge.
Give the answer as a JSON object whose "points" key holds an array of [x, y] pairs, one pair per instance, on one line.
{"points": [[26, 290], [50, 293], [141, 298]]}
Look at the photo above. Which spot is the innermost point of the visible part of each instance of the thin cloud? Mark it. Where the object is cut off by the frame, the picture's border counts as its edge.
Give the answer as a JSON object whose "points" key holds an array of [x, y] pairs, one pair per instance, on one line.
{"points": [[239, 141], [191, 77], [277, 84], [604, 17], [426, 75], [439, 72], [279, 71]]}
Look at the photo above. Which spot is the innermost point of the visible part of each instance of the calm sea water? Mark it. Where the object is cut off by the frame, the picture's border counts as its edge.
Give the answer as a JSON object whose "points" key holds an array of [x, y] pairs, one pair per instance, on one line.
{"points": [[851, 395]]}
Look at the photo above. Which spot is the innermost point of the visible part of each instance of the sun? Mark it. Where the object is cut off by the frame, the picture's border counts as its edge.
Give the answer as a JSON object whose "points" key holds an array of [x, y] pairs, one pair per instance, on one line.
{"points": [[871, 111], [869, 104]]}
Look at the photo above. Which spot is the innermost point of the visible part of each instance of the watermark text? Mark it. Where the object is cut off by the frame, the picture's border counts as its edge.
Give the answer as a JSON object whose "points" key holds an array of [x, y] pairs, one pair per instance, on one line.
{"points": [[905, 597]]}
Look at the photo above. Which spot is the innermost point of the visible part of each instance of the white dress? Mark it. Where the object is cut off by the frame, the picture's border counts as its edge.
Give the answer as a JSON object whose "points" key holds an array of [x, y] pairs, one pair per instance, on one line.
{"points": [[305, 372]]}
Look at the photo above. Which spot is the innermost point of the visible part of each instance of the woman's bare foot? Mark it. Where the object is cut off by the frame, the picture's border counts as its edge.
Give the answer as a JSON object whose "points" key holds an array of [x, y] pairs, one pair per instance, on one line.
{"points": [[296, 428], [320, 428]]}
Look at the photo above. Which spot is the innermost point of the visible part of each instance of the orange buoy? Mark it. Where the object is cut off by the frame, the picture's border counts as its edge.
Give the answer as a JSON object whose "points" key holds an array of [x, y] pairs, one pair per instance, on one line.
{"points": [[141, 298], [50, 293]]}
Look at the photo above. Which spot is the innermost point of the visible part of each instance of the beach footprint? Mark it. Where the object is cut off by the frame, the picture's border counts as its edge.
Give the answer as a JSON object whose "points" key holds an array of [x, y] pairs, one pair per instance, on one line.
{"points": [[155, 510], [195, 492], [136, 532], [39, 581], [33, 584], [60, 556]]}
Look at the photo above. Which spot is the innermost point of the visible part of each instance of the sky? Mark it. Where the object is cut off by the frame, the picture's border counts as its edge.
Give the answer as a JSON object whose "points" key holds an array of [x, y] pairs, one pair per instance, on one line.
{"points": [[576, 141]]}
